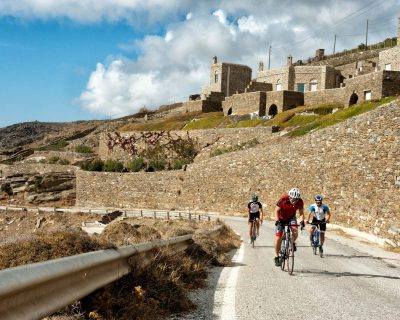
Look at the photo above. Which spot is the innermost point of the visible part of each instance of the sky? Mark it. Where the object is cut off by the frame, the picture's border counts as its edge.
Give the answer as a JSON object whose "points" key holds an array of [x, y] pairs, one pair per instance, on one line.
{"points": [[64, 60]]}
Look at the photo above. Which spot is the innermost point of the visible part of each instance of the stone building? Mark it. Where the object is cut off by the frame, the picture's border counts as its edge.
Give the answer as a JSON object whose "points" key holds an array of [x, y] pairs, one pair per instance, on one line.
{"points": [[344, 79]]}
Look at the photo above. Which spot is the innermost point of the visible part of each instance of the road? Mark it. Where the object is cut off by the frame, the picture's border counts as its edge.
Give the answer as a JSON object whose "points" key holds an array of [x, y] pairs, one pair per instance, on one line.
{"points": [[352, 281]]}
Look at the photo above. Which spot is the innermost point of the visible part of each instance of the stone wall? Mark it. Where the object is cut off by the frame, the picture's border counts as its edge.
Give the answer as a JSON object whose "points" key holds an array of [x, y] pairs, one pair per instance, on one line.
{"points": [[244, 103], [206, 140], [284, 75], [258, 86], [231, 78], [283, 100], [380, 83], [390, 56], [37, 183], [71, 157], [324, 75], [357, 170]]}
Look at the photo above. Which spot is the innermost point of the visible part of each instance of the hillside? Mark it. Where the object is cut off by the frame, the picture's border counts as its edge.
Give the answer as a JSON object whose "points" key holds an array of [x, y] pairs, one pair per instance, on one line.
{"points": [[354, 163]]}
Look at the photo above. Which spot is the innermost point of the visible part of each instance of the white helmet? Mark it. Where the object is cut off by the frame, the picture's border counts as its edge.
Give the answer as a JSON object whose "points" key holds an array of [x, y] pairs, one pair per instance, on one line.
{"points": [[294, 193]]}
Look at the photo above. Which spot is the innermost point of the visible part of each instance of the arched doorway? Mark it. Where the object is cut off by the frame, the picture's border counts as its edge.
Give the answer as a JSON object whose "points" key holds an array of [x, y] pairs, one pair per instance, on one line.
{"points": [[229, 111], [262, 111], [273, 110], [353, 99]]}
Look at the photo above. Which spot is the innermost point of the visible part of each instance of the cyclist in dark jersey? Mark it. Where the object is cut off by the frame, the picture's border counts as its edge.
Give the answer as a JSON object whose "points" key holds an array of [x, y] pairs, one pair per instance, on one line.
{"points": [[254, 208], [285, 214]]}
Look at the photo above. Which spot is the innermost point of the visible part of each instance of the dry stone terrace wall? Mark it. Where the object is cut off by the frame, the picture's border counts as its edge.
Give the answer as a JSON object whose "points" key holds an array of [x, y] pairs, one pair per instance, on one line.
{"points": [[206, 140], [244, 103], [37, 183], [357, 169]]}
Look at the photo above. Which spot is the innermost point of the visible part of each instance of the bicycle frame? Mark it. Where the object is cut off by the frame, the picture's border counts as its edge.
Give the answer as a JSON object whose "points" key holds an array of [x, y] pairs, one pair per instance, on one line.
{"points": [[253, 227], [316, 239], [287, 250]]}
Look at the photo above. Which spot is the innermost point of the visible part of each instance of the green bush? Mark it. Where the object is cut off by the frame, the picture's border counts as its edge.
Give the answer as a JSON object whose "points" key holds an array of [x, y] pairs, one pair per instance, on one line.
{"points": [[113, 166], [177, 164], [136, 165], [57, 146], [83, 149], [53, 159], [63, 161], [95, 165], [157, 165]]}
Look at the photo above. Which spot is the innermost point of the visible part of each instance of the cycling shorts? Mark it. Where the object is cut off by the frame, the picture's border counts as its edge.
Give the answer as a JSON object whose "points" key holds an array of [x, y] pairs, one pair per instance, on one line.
{"points": [[321, 223], [254, 216], [281, 227]]}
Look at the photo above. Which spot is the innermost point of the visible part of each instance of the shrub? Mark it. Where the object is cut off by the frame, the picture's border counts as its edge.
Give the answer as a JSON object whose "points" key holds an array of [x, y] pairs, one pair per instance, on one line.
{"points": [[157, 165], [63, 161], [113, 166], [83, 149], [53, 159], [136, 165], [95, 165], [177, 164]]}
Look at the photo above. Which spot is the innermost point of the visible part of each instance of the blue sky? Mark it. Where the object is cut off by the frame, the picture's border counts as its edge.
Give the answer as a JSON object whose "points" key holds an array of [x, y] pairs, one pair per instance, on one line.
{"points": [[69, 60]]}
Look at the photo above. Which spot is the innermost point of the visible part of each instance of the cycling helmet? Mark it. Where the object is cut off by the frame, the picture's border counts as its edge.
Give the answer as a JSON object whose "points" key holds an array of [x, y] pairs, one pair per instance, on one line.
{"points": [[254, 197], [294, 193], [318, 197]]}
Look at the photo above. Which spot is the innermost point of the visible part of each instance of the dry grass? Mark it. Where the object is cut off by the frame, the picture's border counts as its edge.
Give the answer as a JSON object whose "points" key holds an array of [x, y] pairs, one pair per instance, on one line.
{"points": [[160, 288], [42, 246]]}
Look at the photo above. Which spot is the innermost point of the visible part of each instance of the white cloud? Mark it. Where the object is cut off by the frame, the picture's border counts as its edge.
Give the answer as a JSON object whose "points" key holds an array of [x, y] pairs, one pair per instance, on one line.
{"points": [[251, 25], [189, 16], [169, 36]]}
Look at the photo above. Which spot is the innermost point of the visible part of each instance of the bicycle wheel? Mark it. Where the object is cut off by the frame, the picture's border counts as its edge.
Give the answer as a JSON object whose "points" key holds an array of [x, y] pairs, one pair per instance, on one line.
{"points": [[315, 241], [290, 256]]}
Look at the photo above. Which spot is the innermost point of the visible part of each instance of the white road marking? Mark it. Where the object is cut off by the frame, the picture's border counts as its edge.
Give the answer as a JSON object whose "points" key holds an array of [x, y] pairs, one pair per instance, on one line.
{"points": [[228, 288]]}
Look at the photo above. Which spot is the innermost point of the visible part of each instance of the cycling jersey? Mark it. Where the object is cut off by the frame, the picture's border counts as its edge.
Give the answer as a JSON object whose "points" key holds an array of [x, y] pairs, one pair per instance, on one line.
{"points": [[319, 212], [254, 206], [287, 210]]}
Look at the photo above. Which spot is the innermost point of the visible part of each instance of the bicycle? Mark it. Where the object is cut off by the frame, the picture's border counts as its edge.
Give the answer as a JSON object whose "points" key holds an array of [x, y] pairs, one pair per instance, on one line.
{"points": [[286, 254], [316, 240], [253, 232]]}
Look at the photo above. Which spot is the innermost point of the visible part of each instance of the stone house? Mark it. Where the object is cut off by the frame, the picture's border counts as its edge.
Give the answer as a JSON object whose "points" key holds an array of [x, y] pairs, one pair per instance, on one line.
{"points": [[341, 79]]}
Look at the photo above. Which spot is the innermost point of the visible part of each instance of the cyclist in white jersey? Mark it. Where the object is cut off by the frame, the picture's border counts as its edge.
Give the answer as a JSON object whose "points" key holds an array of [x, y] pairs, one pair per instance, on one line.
{"points": [[321, 215], [256, 213]]}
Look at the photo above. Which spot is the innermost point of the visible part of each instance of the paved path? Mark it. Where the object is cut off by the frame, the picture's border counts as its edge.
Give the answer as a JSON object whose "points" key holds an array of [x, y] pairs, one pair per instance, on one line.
{"points": [[348, 283]]}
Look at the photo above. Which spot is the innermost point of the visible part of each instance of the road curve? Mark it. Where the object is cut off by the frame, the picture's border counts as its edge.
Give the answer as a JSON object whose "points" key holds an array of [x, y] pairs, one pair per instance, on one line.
{"points": [[347, 283]]}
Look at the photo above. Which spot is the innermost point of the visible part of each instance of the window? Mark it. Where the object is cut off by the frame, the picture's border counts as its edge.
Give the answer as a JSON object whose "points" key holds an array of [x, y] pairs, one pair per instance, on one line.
{"points": [[388, 66], [313, 85], [350, 76], [278, 85], [216, 77], [300, 87], [367, 95]]}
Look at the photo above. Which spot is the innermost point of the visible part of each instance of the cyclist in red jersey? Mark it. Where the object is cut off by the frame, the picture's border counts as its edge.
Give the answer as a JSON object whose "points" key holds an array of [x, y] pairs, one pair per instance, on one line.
{"points": [[285, 214]]}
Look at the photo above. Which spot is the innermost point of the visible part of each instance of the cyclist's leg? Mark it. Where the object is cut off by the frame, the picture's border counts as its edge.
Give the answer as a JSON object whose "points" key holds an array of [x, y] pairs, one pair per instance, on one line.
{"points": [[278, 239], [258, 226], [322, 230]]}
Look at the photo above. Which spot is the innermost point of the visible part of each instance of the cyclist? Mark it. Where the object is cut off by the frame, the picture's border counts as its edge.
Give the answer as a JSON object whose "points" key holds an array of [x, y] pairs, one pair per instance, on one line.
{"points": [[254, 208], [321, 216], [285, 214]]}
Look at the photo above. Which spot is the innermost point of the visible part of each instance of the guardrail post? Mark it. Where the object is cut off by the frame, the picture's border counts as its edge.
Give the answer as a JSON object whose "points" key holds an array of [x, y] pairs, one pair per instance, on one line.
{"points": [[167, 215], [180, 215], [199, 217], [155, 215], [125, 214], [141, 213], [190, 216], [209, 218]]}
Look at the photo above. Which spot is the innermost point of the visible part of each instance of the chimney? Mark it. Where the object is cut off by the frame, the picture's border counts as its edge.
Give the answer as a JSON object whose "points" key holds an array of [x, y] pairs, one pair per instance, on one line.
{"points": [[215, 59], [261, 66], [319, 54], [289, 61]]}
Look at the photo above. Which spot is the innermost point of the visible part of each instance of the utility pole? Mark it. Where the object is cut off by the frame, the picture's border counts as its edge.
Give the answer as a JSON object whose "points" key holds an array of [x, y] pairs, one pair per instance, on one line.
{"points": [[269, 58], [366, 35], [334, 45]]}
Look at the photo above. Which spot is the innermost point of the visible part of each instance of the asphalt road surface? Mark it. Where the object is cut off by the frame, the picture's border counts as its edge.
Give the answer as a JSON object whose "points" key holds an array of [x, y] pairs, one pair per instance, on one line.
{"points": [[352, 281]]}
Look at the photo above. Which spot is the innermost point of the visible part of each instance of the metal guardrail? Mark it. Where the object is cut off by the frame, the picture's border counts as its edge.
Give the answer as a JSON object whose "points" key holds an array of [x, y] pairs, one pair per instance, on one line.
{"points": [[37, 290], [157, 214]]}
